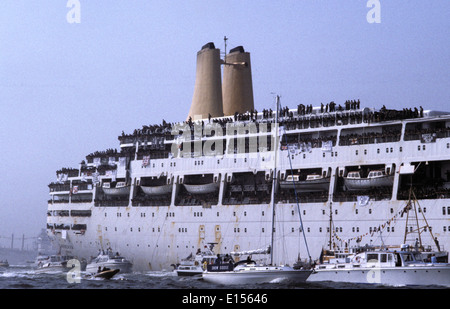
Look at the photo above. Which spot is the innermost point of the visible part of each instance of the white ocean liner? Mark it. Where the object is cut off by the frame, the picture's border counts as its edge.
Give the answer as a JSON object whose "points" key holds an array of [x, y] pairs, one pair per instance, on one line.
{"points": [[173, 198]]}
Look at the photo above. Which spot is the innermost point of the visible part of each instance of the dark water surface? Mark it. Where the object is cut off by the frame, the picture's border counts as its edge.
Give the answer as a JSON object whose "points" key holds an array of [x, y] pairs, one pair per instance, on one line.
{"points": [[25, 277]]}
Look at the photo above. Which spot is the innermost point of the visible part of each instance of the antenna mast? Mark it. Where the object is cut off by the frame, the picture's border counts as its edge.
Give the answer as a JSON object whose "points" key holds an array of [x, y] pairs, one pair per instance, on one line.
{"points": [[225, 39]]}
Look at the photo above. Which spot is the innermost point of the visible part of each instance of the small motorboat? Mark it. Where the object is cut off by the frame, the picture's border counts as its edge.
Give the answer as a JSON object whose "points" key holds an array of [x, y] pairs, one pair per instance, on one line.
{"points": [[106, 274], [110, 261], [4, 264], [385, 267], [53, 264]]}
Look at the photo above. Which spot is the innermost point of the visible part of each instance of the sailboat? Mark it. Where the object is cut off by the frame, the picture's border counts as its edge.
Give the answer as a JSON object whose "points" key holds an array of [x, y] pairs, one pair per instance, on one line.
{"points": [[249, 272]]}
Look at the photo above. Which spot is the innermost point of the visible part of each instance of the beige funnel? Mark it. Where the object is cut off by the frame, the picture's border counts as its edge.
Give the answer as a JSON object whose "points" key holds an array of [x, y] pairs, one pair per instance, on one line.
{"points": [[207, 97], [237, 82]]}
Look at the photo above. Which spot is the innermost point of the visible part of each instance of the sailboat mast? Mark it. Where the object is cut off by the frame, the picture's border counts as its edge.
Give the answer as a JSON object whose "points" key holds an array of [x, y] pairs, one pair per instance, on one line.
{"points": [[274, 178]]}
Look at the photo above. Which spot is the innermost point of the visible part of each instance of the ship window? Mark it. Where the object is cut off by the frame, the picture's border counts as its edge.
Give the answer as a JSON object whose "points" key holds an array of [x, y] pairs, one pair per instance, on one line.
{"points": [[356, 211], [443, 210], [262, 230], [370, 210], [423, 147], [401, 149], [387, 150], [378, 150], [372, 257], [323, 155], [304, 156], [448, 210], [448, 145], [392, 149], [320, 229], [262, 213], [356, 152], [365, 151], [383, 258], [335, 154], [418, 147]]}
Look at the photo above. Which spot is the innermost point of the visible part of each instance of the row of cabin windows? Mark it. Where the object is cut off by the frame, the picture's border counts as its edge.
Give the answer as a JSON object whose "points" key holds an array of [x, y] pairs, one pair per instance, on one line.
{"points": [[308, 229], [333, 154], [445, 211]]}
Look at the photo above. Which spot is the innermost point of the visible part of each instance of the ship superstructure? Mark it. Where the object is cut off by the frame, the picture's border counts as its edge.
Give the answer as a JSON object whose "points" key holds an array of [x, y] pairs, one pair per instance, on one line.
{"points": [[172, 188]]}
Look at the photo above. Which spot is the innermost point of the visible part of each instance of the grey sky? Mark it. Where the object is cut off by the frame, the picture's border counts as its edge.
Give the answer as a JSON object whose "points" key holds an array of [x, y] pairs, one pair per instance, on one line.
{"points": [[67, 90]]}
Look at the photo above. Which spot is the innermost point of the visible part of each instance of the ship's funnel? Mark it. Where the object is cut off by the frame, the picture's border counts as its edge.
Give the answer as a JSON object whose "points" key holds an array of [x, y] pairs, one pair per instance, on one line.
{"points": [[237, 82], [207, 99]]}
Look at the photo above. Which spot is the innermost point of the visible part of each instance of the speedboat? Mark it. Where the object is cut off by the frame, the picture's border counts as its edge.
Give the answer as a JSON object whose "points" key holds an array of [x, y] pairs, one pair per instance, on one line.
{"points": [[109, 260], [386, 267]]}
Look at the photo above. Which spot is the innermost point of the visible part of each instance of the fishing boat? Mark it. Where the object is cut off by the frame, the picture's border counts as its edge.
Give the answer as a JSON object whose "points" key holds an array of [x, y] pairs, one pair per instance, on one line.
{"points": [[111, 261], [385, 267], [106, 274]]}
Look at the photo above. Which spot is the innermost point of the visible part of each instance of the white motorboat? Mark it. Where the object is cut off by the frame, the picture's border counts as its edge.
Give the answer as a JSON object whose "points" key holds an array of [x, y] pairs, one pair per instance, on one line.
{"points": [[195, 265], [375, 179], [251, 273], [109, 260], [313, 183], [385, 267], [53, 264], [120, 189]]}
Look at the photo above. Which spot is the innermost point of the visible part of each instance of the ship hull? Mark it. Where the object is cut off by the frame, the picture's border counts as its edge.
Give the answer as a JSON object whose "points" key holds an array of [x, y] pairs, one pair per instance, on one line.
{"points": [[156, 237]]}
